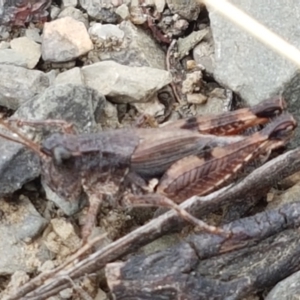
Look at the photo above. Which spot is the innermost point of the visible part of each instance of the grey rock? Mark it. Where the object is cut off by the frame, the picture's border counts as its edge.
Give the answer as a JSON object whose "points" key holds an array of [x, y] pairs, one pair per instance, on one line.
{"points": [[54, 12], [106, 38], [12, 57], [109, 118], [123, 84], [106, 31], [18, 85], [204, 52], [189, 42], [71, 3], [66, 232], [27, 48], [196, 98], [153, 107], [137, 49], [4, 45], [160, 5], [51, 76], [32, 222], [248, 67], [18, 165], [20, 223], [66, 293], [216, 103], [100, 10], [177, 26], [4, 32], [137, 15], [286, 289], [74, 103], [288, 196], [65, 39], [192, 82], [76, 14], [123, 11], [34, 35], [61, 240], [188, 9], [17, 279], [68, 207], [73, 76], [80, 106]]}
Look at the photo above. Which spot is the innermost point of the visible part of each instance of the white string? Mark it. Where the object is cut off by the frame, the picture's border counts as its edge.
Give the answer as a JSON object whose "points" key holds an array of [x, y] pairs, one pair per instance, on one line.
{"points": [[256, 29]]}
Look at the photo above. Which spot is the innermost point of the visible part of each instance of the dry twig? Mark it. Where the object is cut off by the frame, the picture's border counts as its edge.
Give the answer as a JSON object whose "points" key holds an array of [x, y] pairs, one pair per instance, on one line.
{"points": [[263, 177]]}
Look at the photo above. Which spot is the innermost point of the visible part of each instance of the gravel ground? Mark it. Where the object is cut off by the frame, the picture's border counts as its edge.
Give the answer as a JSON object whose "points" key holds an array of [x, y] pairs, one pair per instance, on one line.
{"points": [[104, 66]]}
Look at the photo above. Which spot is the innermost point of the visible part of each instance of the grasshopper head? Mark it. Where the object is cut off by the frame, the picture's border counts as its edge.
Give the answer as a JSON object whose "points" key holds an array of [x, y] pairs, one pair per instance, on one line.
{"points": [[59, 146]]}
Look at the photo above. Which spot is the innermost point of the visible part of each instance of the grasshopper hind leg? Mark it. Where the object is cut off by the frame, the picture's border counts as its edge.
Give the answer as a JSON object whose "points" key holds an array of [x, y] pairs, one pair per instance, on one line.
{"points": [[90, 221], [162, 201]]}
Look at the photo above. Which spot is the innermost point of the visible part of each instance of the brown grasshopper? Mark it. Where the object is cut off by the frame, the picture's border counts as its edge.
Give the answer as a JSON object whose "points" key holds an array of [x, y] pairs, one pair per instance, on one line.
{"points": [[204, 173], [72, 163]]}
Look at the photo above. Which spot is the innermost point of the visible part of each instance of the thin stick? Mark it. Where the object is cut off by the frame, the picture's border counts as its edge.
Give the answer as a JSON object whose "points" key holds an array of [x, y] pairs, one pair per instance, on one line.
{"points": [[65, 126], [168, 66], [71, 261], [95, 201], [21, 139], [256, 29], [263, 177]]}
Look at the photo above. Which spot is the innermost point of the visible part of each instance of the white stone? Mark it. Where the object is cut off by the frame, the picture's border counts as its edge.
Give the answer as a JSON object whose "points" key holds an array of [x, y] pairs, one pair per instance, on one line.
{"points": [[124, 84], [65, 39]]}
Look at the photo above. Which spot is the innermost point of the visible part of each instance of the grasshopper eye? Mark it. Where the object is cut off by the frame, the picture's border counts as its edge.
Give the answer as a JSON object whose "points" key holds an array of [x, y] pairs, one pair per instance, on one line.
{"points": [[60, 147], [50, 143], [60, 153]]}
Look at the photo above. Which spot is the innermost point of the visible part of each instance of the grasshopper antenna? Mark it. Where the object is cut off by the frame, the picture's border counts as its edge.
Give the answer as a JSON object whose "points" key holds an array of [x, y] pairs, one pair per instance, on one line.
{"points": [[65, 126], [21, 138]]}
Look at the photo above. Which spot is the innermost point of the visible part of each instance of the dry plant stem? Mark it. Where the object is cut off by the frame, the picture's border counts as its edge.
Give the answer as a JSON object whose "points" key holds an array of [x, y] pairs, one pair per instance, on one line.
{"points": [[83, 249], [71, 260], [263, 177], [84, 295], [256, 29], [168, 56], [168, 65], [158, 35], [21, 139]]}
